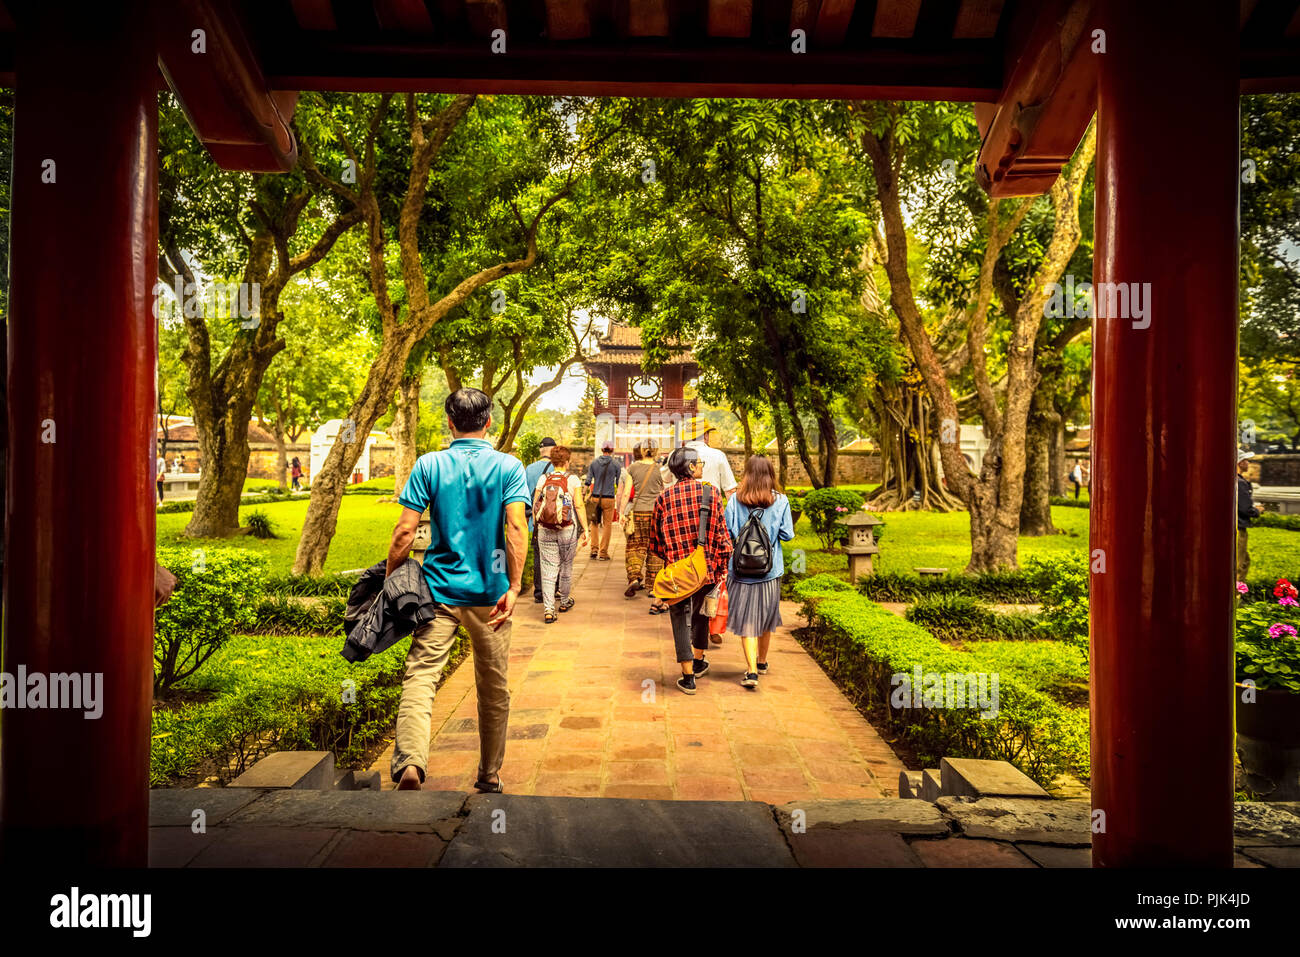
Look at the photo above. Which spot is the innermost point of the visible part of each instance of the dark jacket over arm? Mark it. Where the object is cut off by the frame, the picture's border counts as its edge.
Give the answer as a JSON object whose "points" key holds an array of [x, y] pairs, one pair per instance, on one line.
{"points": [[382, 611]]}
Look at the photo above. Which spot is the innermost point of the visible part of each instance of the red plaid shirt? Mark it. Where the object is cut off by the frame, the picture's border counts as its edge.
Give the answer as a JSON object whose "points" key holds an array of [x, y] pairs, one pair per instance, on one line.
{"points": [[675, 527]]}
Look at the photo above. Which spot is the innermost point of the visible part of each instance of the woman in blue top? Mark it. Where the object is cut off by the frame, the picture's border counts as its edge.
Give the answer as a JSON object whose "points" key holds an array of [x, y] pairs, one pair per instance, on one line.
{"points": [[754, 604]]}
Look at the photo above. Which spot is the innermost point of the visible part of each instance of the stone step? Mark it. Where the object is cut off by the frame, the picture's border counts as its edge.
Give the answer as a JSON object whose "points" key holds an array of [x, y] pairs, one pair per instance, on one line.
{"points": [[301, 770], [909, 784], [973, 777], [931, 784]]}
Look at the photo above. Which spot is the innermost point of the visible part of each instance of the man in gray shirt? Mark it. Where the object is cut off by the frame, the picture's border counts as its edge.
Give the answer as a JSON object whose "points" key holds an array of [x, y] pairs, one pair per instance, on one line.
{"points": [[604, 472]]}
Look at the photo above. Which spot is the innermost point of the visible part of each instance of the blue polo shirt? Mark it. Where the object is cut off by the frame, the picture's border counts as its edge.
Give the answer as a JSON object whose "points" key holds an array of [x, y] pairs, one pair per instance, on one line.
{"points": [[466, 488]]}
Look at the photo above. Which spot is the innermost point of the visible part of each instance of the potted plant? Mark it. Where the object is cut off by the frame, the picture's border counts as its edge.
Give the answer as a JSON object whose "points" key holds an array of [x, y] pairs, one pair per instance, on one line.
{"points": [[1268, 692], [796, 506]]}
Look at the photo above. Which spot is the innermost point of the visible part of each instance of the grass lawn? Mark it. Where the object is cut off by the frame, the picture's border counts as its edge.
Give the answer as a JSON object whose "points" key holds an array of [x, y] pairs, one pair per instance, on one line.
{"points": [[911, 539], [365, 527], [942, 540]]}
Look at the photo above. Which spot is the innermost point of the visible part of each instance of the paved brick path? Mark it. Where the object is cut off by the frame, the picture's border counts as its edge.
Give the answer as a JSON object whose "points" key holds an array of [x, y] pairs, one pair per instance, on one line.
{"points": [[583, 722]]}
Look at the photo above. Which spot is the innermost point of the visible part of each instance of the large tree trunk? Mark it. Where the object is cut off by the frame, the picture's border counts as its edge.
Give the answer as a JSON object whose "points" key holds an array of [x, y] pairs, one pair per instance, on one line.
{"points": [[783, 466], [743, 414], [281, 454], [1036, 506], [224, 447], [328, 484], [405, 427], [909, 454], [1056, 471]]}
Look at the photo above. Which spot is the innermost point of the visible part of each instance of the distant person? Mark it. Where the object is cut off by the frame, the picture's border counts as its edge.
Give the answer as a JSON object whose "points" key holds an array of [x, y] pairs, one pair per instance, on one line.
{"points": [[160, 470], [1076, 476], [477, 500], [674, 533], [1247, 511], [603, 474], [532, 472], [640, 487], [557, 510], [295, 472], [717, 468], [754, 596]]}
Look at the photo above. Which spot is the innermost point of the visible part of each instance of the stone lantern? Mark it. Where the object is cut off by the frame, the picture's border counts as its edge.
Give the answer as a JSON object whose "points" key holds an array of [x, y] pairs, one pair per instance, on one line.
{"points": [[423, 538], [862, 543]]}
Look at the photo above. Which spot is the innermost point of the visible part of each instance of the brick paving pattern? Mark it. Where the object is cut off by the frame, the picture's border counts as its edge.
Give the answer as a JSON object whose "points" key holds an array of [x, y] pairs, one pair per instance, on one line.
{"points": [[595, 712]]}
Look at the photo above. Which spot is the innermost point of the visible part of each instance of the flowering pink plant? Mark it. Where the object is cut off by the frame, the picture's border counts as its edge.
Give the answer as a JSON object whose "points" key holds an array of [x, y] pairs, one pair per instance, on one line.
{"points": [[1287, 600], [1278, 630], [1242, 588]]}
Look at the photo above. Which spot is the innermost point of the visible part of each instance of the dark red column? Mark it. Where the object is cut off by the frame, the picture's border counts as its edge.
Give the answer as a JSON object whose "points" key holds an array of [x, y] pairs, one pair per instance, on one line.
{"points": [[1164, 408], [78, 575]]}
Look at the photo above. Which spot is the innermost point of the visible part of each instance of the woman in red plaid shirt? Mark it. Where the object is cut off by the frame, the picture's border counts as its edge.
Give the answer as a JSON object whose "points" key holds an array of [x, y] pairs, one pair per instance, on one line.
{"points": [[674, 533]]}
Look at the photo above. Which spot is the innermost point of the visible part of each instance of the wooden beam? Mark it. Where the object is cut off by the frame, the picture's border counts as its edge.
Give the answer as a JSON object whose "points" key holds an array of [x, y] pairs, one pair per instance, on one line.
{"points": [[730, 18], [403, 16], [642, 18], [568, 19], [977, 19], [222, 89], [803, 15], [314, 14], [833, 18], [1047, 100], [895, 18]]}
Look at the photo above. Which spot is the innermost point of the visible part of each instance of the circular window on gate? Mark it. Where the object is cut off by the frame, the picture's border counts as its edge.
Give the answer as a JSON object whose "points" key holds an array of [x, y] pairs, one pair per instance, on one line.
{"points": [[647, 388]]}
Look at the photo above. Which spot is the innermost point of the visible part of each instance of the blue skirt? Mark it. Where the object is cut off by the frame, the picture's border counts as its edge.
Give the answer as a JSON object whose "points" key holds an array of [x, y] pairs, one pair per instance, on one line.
{"points": [[752, 607]]}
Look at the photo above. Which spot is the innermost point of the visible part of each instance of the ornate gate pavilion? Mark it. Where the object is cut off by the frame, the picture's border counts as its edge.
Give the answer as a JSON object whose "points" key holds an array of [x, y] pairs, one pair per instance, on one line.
{"points": [[79, 577], [640, 403]]}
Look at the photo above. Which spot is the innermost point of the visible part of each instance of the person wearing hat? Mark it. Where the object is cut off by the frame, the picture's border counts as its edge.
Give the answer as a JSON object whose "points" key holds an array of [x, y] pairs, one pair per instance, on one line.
{"points": [[1247, 511], [603, 475], [717, 469], [533, 473]]}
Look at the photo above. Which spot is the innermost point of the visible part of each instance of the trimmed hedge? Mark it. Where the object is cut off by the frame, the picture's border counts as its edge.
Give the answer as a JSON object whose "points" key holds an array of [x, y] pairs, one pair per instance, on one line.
{"points": [[1290, 523], [257, 498], [958, 617], [280, 694], [863, 646], [339, 584], [1025, 586]]}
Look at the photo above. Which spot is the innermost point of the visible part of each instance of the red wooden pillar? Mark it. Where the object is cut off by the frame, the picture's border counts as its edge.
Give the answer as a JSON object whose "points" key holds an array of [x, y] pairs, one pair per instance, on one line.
{"points": [[78, 575], [1164, 407]]}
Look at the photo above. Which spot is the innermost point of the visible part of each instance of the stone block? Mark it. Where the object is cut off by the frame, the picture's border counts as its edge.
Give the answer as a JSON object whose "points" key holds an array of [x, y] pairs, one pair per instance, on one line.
{"points": [[360, 810], [965, 852], [1055, 855], [504, 830], [175, 807], [979, 778], [1021, 819], [827, 847], [1262, 822], [1272, 856], [909, 784], [899, 815], [312, 770], [931, 785]]}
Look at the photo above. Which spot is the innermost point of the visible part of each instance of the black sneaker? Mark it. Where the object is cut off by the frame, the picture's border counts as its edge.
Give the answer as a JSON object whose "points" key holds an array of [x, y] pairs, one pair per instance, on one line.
{"points": [[750, 680], [537, 599], [762, 667], [686, 683], [701, 667]]}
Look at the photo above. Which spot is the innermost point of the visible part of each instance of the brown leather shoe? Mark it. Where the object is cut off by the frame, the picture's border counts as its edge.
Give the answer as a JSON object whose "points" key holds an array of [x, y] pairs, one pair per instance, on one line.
{"points": [[631, 589]]}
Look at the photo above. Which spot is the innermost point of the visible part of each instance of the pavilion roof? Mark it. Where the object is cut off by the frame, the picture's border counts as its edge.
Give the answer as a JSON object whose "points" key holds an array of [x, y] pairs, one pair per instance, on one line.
{"points": [[621, 345]]}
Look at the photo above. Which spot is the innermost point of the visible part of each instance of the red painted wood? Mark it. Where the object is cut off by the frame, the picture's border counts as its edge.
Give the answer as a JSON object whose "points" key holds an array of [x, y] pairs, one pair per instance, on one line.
{"points": [[1163, 430], [78, 575]]}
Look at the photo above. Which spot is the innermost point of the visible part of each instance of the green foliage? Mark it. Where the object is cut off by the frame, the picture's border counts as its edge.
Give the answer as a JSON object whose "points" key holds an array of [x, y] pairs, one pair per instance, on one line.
{"points": [[1277, 520], [317, 585], [1268, 641], [1019, 587], [528, 446], [215, 596], [865, 647], [1065, 601], [286, 693], [257, 498], [827, 508], [300, 615], [259, 525], [965, 618]]}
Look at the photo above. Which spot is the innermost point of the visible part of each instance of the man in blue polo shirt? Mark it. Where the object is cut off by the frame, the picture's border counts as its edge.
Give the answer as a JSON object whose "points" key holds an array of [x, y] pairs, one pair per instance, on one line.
{"points": [[479, 538]]}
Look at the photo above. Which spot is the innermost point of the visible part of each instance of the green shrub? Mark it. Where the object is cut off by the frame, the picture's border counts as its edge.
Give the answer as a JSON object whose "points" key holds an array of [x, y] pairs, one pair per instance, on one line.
{"points": [[827, 508], [319, 585], [1018, 587], [259, 524], [1065, 601], [286, 693], [216, 595], [962, 617], [1064, 501], [528, 446], [1277, 520], [300, 615], [865, 648], [256, 498]]}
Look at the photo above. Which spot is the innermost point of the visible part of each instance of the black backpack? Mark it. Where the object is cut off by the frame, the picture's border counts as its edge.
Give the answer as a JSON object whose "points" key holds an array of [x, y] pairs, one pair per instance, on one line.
{"points": [[752, 555]]}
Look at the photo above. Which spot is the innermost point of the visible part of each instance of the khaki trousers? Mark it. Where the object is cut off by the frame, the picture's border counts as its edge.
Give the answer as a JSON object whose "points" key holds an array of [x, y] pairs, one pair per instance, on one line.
{"points": [[1243, 555], [605, 508], [430, 647]]}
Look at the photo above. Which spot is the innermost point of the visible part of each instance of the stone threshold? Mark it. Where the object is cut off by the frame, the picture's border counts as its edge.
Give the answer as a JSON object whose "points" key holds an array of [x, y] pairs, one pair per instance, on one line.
{"points": [[257, 827]]}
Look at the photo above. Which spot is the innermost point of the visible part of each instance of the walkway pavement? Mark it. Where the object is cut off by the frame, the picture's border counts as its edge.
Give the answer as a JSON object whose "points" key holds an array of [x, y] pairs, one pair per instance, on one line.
{"points": [[596, 713]]}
